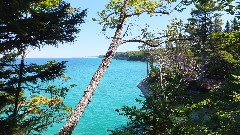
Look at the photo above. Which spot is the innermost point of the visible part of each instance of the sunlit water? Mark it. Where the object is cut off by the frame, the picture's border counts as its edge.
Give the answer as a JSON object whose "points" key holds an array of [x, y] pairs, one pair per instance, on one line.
{"points": [[116, 89]]}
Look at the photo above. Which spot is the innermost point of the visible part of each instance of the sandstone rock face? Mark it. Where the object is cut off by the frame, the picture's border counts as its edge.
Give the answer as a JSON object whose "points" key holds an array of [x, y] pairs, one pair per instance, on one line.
{"points": [[143, 86]]}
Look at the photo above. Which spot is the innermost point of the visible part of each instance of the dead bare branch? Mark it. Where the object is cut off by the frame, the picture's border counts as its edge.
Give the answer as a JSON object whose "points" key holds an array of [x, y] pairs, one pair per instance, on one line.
{"points": [[146, 11]]}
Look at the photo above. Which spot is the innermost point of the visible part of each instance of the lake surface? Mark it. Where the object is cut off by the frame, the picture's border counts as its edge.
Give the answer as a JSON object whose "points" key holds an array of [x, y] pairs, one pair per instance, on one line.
{"points": [[116, 89]]}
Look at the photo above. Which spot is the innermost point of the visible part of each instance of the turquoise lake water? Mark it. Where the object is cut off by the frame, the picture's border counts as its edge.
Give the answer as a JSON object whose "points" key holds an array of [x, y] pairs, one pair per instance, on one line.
{"points": [[116, 89]]}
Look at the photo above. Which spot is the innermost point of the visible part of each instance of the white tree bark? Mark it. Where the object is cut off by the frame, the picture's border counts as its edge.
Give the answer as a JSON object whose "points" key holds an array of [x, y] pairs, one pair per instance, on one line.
{"points": [[68, 128]]}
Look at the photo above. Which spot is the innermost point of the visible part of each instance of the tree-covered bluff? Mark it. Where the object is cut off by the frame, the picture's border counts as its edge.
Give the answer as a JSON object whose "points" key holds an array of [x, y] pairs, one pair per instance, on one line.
{"points": [[130, 56]]}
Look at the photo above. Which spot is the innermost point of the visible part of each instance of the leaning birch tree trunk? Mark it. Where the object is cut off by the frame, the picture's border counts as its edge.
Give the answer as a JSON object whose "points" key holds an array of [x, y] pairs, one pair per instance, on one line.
{"points": [[114, 16], [88, 93]]}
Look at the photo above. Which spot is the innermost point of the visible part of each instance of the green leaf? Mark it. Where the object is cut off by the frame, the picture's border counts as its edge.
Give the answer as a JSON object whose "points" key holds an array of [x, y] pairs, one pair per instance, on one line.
{"points": [[94, 19]]}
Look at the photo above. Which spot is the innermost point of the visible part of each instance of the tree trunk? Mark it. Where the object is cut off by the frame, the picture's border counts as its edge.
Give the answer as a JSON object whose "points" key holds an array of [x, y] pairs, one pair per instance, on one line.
{"points": [[203, 64], [19, 87], [203, 50], [68, 128]]}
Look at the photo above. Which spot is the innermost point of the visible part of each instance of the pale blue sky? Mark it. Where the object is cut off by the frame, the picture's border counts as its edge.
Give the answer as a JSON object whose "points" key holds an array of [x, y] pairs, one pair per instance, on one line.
{"points": [[91, 42]]}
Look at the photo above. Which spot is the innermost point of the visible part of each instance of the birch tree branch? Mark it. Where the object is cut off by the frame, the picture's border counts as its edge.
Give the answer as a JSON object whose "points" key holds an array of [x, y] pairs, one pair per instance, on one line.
{"points": [[145, 11], [146, 42]]}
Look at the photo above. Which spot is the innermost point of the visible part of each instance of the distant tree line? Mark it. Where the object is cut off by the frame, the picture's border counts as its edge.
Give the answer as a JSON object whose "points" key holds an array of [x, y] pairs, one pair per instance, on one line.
{"points": [[131, 56]]}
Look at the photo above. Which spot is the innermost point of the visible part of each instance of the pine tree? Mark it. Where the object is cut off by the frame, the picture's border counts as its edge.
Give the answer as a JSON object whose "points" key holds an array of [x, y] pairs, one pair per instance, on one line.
{"points": [[217, 25], [200, 26], [235, 25], [29, 102], [227, 27]]}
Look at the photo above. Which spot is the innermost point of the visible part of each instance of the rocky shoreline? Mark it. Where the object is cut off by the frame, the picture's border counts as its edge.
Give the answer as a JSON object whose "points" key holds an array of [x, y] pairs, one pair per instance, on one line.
{"points": [[143, 86]]}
